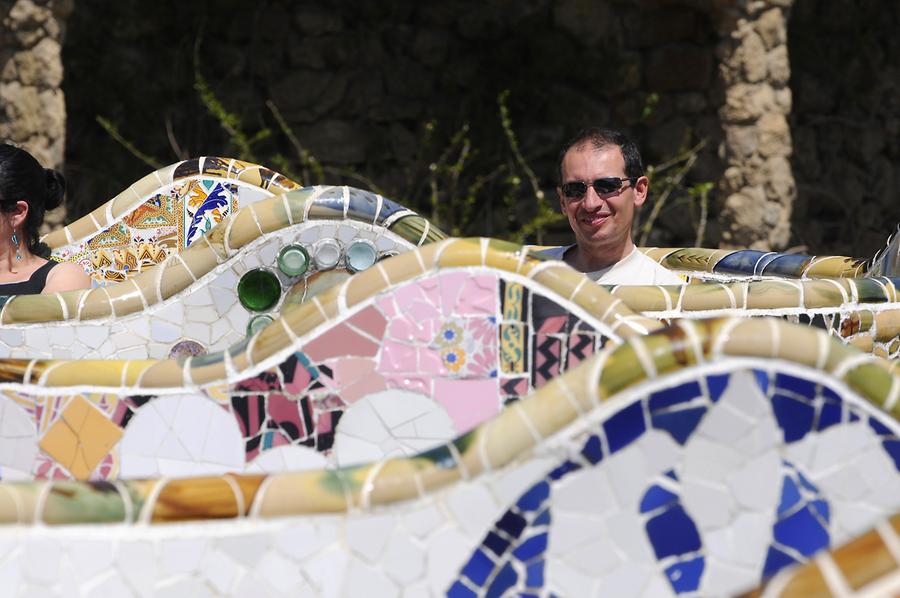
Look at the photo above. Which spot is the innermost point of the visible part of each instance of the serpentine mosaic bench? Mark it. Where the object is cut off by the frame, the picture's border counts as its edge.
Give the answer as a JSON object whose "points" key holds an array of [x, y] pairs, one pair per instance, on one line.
{"points": [[694, 460]]}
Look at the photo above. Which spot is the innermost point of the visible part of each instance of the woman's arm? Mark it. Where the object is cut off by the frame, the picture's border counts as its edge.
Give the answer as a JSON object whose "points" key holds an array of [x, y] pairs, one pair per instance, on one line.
{"points": [[67, 276]]}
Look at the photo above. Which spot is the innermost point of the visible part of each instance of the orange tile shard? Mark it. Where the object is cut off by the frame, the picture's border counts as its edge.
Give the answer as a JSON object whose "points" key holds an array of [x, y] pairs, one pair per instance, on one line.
{"points": [[80, 438]]}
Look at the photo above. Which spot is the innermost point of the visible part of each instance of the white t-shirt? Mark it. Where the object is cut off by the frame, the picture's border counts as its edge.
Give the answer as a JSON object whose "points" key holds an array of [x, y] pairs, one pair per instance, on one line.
{"points": [[633, 269]]}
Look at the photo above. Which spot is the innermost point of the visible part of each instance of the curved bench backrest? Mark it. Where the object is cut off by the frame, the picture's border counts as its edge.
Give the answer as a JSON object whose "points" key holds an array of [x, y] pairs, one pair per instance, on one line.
{"points": [[162, 214]]}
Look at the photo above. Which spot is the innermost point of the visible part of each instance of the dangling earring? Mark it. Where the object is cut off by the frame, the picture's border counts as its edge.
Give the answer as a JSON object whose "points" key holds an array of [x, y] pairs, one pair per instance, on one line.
{"points": [[15, 242]]}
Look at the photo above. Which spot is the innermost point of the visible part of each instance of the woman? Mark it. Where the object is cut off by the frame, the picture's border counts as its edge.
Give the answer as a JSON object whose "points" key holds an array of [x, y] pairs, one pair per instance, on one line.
{"points": [[27, 190]]}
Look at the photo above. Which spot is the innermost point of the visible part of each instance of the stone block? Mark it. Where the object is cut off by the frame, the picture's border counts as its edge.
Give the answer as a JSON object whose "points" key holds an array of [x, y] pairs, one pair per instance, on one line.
{"points": [[774, 135], [679, 67], [779, 66], [772, 28], [336, 142], [588, 21]]}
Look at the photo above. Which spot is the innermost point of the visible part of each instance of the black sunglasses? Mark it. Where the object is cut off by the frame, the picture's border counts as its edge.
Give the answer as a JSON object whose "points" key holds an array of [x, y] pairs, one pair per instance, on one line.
{"points": [[604, 186]]}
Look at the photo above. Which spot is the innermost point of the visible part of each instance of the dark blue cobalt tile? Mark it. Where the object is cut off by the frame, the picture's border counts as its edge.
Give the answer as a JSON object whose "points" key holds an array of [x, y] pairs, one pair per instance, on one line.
{"points": [[852, 416], [535, 497], [593, 450], [880, 428], [809, 486], [829, 415], [458, 590], [892, 448], [512, 524], [685, 576], [790, 495], [802, 532], [479, 567], [762, 380], [674, 395], [388, 209], [821, 507], [716, 385], [671, 473], [802, 387], [795, 418], [362, 205], [792, 265], [534, 575], [331, 200], [656, 497], [673, 533], [543, 518], [625, 427], [531, 548], [506, 579], [776, 560], [495, 544], [680, 424], [831, 395], [563, 469], [764, 261], [739, 262]]}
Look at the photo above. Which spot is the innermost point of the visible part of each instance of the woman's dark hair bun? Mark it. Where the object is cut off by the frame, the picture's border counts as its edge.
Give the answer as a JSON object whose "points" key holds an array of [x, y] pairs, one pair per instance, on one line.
{"points": [[56, 188]]}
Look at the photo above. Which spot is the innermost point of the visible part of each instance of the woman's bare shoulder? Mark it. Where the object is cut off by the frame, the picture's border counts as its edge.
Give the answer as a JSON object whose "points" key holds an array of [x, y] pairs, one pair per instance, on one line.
{"points": [[67, 276]]}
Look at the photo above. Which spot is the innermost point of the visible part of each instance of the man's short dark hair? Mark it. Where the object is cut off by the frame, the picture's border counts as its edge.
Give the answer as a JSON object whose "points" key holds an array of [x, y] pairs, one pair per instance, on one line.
{"points": [[599, 138]]}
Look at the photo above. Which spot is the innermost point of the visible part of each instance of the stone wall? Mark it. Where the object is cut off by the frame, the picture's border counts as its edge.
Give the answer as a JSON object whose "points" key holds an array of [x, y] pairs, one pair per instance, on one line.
{"points": [[32, 106], [757, 187], [358, 84], [845, 64], [795, 101]]}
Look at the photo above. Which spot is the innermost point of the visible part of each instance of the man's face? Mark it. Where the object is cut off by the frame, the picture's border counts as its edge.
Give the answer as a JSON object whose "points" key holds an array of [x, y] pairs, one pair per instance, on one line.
{"points": [[602, 223]]}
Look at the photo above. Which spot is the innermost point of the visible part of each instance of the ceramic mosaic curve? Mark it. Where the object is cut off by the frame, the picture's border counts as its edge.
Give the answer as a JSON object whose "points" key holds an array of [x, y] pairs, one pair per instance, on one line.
{"points": [[690, 461], [868, 566], [190, 303], [887, 261], [865, 312], [740, 264], [161, 214], [461, 318]]}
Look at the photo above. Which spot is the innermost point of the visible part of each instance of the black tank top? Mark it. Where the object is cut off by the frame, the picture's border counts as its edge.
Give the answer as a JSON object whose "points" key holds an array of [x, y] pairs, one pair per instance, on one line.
{"points": [[32, 286]]}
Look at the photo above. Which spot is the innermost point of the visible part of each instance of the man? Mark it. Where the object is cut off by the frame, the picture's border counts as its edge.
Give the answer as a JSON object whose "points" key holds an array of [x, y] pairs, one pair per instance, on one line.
{"points": [[601, 182]]}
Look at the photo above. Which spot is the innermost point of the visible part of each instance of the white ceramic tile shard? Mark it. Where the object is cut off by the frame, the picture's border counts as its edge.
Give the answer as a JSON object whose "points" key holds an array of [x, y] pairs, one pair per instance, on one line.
{"points": [[378, 426], [181, 435], [18, 442]]}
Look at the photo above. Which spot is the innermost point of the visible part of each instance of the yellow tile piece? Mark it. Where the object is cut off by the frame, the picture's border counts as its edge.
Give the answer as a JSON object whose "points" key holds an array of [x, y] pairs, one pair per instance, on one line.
{"points": [[126, 298], [80, 438], [864, 560], [707, 296], [561, 279], [402, 267], [195, 498], [33, 308], [162, 374], [175, 278], [271, 214], [243, 229], [199, 258], [773, 294], [95, 305], [808, 582], [364, 285], [84, 227], [513, 339], [95, 372], [460, 253]]}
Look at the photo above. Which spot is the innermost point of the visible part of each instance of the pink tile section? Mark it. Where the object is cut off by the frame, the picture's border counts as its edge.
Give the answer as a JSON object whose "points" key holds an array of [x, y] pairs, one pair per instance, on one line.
{"points": [[477, 297], [469, 402], [340, 340], [357, 378], [370, 321]]}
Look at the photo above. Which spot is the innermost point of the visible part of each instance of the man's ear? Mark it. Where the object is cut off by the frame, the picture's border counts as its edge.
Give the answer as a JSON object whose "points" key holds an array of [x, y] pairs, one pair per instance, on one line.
{"points": [[19, 214], [641, 188]]}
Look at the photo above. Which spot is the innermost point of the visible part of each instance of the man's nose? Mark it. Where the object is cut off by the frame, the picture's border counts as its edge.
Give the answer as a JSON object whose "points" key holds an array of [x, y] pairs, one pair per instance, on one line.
{"points": [[592, 201]]}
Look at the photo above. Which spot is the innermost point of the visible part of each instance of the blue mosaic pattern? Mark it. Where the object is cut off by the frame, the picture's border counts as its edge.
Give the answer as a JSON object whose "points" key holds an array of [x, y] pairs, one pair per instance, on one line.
{"points": [[511, 558], [673, 534], [801, 528]]}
